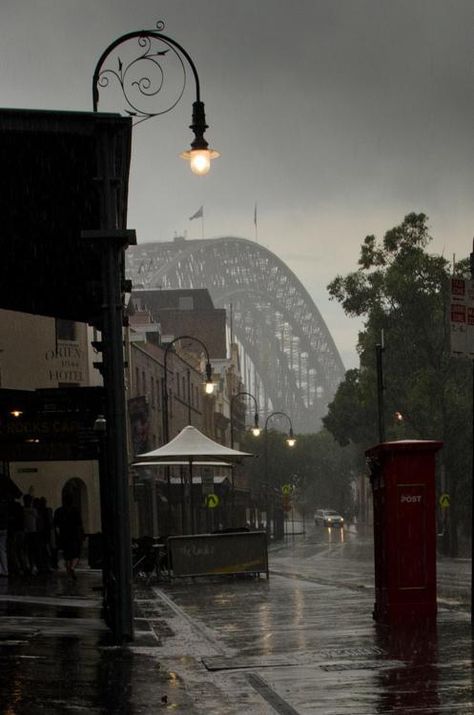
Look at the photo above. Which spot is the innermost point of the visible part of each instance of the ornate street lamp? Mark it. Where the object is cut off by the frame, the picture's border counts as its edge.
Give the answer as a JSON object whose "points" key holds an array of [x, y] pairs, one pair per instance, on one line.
{"points": [[142, 81], [290, 440], [208, 388], [255, 429], [209, 385]]}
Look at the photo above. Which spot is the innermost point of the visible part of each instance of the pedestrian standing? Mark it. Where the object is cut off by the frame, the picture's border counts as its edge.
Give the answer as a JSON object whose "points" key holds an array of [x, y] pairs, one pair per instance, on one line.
{"points": [[44, 525], [31, 533], [48, 543], [70, 534], [17, 558]]}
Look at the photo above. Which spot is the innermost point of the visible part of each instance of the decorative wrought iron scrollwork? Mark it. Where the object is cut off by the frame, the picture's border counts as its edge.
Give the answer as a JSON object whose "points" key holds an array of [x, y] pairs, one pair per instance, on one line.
{"points": [[142, 77]]}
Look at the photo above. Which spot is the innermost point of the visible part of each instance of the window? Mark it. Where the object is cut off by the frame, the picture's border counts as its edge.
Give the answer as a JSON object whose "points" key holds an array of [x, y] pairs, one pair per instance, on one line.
{"points": [[65, 329]]}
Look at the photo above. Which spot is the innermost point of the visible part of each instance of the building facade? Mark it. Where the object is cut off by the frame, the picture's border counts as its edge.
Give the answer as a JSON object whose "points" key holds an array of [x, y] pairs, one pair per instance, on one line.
{"points": [[38, 352], [167, 404]]}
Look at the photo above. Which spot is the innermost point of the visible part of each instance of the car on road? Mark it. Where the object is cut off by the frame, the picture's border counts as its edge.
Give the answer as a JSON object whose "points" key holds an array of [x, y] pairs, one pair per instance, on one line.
{"points": [[328, 517]]}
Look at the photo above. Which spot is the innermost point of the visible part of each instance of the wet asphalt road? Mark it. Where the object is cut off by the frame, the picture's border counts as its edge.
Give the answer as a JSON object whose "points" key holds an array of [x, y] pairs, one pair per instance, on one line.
{"points": [[303, 642]]}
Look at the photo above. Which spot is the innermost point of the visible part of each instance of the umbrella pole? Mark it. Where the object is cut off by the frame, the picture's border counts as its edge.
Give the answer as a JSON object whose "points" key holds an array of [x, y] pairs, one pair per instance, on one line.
{"points": [[191, 496], [182, 475]]}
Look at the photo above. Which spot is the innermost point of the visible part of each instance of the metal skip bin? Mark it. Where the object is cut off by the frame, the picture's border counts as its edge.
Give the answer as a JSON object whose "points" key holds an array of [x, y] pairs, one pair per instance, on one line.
{"points": [[404, 499]]}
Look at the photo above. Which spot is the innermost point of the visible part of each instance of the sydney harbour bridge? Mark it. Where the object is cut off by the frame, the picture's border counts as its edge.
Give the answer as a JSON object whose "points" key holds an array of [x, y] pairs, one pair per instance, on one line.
{"points": [[288, 357]]}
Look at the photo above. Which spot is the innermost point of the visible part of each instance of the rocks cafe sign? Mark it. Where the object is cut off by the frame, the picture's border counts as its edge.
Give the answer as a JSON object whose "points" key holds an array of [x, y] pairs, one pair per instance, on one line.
{"points": [[48, 423]]}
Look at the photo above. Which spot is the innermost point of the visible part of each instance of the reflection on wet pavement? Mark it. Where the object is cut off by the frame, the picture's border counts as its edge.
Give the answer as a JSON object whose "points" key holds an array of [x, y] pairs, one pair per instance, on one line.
{"points": [[302, 643], [56, 657]]}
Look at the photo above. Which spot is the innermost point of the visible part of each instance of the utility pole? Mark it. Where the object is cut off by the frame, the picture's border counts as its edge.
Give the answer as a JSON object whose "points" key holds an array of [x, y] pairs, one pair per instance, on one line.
{"points": [[471, 259], [379, 350]]}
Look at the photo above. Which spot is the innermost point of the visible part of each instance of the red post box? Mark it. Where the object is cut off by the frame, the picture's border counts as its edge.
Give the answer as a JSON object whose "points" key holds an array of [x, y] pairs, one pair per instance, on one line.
{"points": [[404, 498]]}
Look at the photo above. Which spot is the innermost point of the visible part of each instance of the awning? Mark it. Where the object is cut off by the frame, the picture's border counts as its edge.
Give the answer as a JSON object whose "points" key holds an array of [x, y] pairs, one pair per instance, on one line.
{"points": [[192, 445]]}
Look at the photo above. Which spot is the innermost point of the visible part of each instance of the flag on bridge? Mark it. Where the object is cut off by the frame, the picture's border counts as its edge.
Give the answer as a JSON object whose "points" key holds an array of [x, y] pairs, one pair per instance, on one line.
{"points": [[199, 213]]}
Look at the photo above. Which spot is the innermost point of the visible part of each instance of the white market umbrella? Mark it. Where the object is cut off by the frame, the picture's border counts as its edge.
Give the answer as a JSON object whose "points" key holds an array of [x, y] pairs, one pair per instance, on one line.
{"points": [[191, 445]]}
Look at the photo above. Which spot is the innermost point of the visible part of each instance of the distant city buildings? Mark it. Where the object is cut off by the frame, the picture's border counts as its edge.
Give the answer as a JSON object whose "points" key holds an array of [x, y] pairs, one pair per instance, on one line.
{"points": [[41, 354]]}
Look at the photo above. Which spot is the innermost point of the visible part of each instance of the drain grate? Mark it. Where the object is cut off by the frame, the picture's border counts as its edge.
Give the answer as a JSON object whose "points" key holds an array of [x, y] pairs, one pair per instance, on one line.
{"points": [[358, 652], [335, 667]]}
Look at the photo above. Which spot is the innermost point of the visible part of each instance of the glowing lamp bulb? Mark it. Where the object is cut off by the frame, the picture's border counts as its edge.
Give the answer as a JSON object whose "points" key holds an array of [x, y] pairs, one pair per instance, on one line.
{"points": [[209, 388], [256, 431], [200, 160]]}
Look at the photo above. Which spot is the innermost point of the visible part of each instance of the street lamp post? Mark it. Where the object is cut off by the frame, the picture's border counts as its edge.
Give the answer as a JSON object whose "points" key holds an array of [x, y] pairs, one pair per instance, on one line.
{"points": [[209, 388], [290, 440], [208, 383], [379, 350], [255, 431], [136, 86], [142, 79], [256, 428]]}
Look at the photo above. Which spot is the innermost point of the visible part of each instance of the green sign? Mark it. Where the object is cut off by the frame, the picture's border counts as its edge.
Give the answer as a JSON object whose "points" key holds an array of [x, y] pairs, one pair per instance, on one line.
{"points": [[212, 500], [444, 501]]}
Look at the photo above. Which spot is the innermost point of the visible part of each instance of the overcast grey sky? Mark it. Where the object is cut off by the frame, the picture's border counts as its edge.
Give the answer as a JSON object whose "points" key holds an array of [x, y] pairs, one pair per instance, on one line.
{"points": [[337, 116]]}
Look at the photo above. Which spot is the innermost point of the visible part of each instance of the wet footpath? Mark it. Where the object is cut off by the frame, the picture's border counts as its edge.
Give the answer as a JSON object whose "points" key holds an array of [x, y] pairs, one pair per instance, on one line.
{"points": [[302, 642]]}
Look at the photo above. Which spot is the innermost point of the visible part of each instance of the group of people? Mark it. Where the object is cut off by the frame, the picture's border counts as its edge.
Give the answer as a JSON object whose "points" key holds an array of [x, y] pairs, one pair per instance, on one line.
{"points": [[32, 536]]}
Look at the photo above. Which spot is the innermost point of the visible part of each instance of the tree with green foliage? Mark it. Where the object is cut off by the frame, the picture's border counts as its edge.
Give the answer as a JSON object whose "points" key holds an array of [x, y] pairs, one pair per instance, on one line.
{"points": [[402, 290], [317, 463]]}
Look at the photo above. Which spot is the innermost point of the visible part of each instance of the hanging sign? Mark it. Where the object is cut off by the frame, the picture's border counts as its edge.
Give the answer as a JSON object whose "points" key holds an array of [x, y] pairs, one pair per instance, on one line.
{"points": [[461, 317]]}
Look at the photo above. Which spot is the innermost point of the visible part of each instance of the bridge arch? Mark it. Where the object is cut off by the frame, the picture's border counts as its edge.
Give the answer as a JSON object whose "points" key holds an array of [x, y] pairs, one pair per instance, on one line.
{"points": [[290, 357]]}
